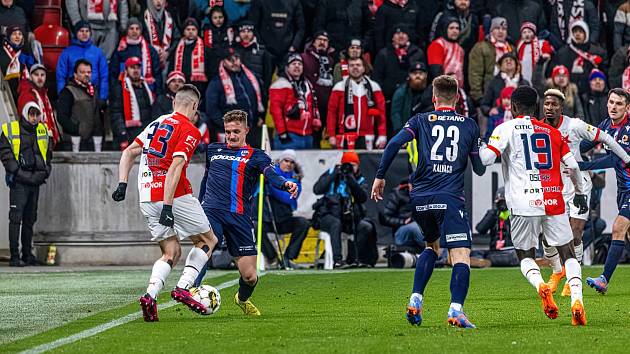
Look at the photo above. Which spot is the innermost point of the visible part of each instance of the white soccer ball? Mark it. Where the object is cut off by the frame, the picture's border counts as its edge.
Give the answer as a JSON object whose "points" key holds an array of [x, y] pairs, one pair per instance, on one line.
{"points": [[209, 296]]}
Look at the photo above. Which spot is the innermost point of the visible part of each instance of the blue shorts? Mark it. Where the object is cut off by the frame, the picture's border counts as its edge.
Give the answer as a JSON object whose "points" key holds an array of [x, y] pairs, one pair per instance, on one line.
{"points": [[623, 204], [236, 230], [443, 217]]}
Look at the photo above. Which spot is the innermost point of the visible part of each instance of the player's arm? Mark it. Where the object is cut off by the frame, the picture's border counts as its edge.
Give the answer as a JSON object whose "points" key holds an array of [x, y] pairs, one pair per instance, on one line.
{"points": [[497, 143], [127, 160], [280, 182], [478, 167], [405, 135], [589, 144], [574, 172], [602, 163], [613, 146]]}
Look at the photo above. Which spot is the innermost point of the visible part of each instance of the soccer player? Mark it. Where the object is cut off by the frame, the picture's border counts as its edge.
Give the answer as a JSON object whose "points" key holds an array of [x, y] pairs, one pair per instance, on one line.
{"points": [[232, 171], [573, 130], [445, 142], [166, 200], [618, 126], [531, 154]]}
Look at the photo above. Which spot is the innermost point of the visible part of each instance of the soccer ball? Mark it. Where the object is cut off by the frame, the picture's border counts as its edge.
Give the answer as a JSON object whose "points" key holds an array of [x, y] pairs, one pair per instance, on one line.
{"points": [[209, 296]]}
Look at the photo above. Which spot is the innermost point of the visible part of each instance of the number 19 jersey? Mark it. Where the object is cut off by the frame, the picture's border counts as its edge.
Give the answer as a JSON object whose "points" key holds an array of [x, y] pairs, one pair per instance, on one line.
{"points": [[445, 140], [531, 153]]}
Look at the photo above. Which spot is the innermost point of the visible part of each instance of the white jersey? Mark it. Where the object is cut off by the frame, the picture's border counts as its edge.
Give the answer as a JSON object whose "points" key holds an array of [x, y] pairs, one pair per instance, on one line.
{"points": [[531, 154], [573, 131]]}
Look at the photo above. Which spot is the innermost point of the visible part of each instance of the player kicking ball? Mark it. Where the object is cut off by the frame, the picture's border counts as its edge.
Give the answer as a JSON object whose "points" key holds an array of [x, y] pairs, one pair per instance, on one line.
{"points": [[172, 213], [531, 155], [232, 172], [446, 140]]}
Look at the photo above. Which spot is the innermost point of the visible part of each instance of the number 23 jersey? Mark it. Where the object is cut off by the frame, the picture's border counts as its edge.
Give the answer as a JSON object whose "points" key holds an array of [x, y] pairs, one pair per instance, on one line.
{"points": [[166, 137], [531, 153]]}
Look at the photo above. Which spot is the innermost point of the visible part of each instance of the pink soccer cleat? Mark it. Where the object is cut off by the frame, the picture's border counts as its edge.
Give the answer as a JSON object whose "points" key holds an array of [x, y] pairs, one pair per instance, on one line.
{"points": [[149, 308], [183, 296]]}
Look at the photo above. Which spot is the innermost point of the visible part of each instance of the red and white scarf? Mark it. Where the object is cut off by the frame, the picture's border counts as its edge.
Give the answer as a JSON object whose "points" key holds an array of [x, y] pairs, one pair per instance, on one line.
{"points": [[500, 48], [401, 3], [131, 108], [343, 63], [165, 42], [197, 72], [228, 86], [13, 70], [578, 63], [576, 13], [147, 63], [48, 115], [401, 52], [96, 8], [535, 52], [453, 58], [89, 88]]}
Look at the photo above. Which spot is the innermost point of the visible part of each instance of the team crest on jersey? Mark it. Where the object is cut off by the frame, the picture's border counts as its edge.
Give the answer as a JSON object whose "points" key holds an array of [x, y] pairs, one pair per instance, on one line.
{"points": [[244, 153], [433, 117], [624, 139]]}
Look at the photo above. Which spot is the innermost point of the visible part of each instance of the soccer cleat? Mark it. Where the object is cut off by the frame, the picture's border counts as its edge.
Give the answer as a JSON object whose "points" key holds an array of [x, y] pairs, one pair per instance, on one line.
{"points": [[566, 290], [183, 296], [459, 319], [414, 311], [548, 304], [578, 315], [248, 308], [149, 308], [554, 280], [600, 284]]}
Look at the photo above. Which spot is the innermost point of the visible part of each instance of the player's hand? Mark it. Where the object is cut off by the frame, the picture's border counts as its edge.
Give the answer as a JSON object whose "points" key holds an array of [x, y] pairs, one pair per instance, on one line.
{"points": [[377, 189], [580, 202], [292, 188], [120, 192], [166, 218]]}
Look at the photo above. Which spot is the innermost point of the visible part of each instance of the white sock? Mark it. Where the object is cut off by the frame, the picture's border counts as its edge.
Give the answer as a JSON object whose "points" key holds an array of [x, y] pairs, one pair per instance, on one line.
{"points": [[195, 261], [455, 306], [159, 273], [76, 143], [574, 278], [419, 296], [551, 253], [98, 143], [531, 271], [579, 252]]}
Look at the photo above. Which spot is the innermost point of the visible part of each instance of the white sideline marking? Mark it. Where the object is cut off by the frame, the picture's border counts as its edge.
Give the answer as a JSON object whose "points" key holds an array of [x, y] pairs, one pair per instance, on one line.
{"points": [[105, 326]]}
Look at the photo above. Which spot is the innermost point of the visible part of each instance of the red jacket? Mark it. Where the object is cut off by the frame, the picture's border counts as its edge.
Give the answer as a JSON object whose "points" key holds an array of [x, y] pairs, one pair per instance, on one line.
{"points": [[27, 92], [282, 99], [365, 118]]}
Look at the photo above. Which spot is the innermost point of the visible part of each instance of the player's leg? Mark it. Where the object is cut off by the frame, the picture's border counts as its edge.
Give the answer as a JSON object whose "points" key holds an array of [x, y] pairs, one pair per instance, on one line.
{"points": [[199, 255], [551, 254], [241, 241], [577, 228], [246, 284], [620, 229]]}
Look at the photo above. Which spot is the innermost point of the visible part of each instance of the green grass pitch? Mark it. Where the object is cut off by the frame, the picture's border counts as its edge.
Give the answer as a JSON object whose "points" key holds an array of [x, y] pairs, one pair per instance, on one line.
{"points": [[308, 312]]}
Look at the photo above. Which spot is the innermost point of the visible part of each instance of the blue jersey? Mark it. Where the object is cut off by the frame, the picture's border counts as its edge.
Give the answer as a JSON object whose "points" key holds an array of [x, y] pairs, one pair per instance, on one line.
{"points": [[232, 175]]}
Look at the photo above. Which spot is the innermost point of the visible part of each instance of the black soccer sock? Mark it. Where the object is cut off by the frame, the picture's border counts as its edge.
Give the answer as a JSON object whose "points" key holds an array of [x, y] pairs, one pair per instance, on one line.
{"points": [[245, 290]]}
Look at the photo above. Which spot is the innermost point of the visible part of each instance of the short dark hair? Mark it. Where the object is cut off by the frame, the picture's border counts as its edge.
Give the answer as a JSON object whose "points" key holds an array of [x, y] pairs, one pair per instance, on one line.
{"points": [[445, 87], [524, 100], [192, 88], [235, 115], [620, 92], [81, 62]]}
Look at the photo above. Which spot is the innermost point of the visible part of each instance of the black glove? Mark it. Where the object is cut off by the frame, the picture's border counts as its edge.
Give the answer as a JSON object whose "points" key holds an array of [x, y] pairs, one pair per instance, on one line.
{"points": [[294, 112], [580, 202], [166, 218], [119, 193], [284, 138]]}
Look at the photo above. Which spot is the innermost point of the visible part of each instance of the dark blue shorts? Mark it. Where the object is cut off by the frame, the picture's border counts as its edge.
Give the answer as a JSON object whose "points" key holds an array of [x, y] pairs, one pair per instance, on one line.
{"points": [[623, 204], [443, 217], [237, 231]]}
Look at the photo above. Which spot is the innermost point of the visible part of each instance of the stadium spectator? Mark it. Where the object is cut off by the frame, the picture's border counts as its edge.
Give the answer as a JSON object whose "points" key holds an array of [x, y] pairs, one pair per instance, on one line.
{"points": [[215, 30], [468, 23], [106, 19], [496, 223], [13, 62], [164, 102], [561, 80], [293, 106], [397, 215], [407, 100], [619, 73], [580, 55], [445, 55], [318, 69], [531, 49], [344, 20], [517, 12], [161, 31], [236, 87], [565, 13], [12, 15], [342, 209], [82, 47], [509, 75], [280, 24], [135, 45], [501, 111], [621, 34], [356, 110], [595, 100], [78, 108], [33, 89], [280, 206], [392, 63], [354, 50], [26, 155], [253, 54], [484, 56], [393, 15], [192, 58], [131, 103]]}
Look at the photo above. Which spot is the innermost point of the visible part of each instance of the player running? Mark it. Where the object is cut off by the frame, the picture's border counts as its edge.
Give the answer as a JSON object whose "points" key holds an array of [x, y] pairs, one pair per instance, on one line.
{"points": [[618, 126], [445, 142], [573, 130], [166, 200], [531, 153], [232, 171]]}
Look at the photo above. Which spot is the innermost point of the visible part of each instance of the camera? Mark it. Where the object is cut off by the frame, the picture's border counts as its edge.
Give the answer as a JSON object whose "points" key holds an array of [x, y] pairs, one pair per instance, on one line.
{"points": [[346, 168]]}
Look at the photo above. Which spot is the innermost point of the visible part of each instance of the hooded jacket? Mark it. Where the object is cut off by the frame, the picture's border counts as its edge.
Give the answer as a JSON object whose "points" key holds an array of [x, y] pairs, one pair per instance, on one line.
{"points": [[83, 50]]}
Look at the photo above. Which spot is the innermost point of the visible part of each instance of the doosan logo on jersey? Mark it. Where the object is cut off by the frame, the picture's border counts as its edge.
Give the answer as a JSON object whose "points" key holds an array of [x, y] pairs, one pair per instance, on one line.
{"points": [[541, 202], [229, 158]]}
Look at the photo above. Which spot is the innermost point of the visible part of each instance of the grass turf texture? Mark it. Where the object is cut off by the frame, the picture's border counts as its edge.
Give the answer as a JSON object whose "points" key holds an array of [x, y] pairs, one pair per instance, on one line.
{"points": [[356, 311]]}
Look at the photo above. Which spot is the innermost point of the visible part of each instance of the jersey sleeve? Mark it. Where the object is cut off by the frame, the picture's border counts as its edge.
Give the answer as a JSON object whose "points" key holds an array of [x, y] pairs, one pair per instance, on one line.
{"points": [[474, 148], [413, 126], [500, 139], [263, 164], [187, 142], [585, 131]]}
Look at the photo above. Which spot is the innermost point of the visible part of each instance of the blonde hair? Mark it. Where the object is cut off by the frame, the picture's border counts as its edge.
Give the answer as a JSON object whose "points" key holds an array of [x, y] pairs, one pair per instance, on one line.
{"points": [[235, 116], [445, 87]]}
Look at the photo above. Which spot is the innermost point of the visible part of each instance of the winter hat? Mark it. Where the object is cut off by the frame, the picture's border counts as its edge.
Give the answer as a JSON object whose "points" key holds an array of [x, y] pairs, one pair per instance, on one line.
{"points": [[28, 106], [399, 29], [498, 22], [134, 21], [288, 154], [582, 25], [190, 22], [507, 92], [555, 93], [596, 73], [131, 61], [175, 75], [355, 42], [529, 25], [226, 53], [559, 69], [418, 66], [11, 29], [246, 25], [35, 68], [350, 157], [81, 24], [321, 33], [507, 55]]}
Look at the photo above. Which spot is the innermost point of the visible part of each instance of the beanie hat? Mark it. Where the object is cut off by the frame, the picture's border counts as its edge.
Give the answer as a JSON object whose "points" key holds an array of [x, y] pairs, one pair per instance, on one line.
{"points": [[81, 24], [529, 25], [582, 25], [134, 21], [288, 154], [291, 57], [350, 157], [35, 68], [596, 73], [190, 22], [498, 22], [559, 69], [175, 75]]}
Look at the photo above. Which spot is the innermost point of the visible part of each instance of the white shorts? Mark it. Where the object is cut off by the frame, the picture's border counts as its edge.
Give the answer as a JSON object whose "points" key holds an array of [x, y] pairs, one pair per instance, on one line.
{"points": [[572, 210], [527, 229], [189, 217]]}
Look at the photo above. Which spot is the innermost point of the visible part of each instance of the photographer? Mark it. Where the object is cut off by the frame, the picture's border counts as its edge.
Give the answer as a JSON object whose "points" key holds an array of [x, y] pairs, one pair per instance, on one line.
{"points": [[497, 222], [342, 209]]}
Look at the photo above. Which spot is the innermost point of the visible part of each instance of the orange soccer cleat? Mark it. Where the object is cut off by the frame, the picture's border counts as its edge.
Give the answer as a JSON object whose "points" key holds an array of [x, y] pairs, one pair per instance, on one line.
{"points": [[548, 304], [566, 290], [578, 315], [554, 280]]}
